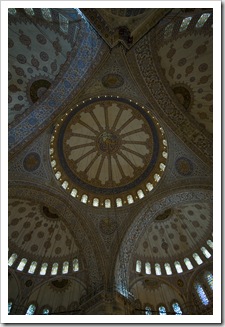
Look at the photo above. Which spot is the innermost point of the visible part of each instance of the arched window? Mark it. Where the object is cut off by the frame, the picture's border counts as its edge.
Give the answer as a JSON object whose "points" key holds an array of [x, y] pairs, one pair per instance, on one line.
{"points": [[74, 192], [147, 268], [45, 311], [65, 267], [107, 203], [64, 23], [162, 310], [84, 198], [9, 307], [176, 308], [178, 267], [75, 265], [201, 294], [119, 202], [185, 23], [168, 269], [29, 11], [53, 163], [33, 267], [12, 259], [95, 202], [138, 266], [205, 252], [165, 154], [58, 175], [44, 267], [130, 199], [149, 186], [54, 268], [31, 310], [157, 269], [148, 311], [209, 278], [168, 30], [22, 264], [140, 194], [65, 184], [165, 142], [202, 20], [12, 11], [188, 264], [197, 258], [162, 166], [210, 243], [46, 13], [157, 177]]}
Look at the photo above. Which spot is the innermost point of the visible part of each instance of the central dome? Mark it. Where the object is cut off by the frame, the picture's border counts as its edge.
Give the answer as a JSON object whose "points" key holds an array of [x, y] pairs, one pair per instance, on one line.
{"points": [[108, 146]]}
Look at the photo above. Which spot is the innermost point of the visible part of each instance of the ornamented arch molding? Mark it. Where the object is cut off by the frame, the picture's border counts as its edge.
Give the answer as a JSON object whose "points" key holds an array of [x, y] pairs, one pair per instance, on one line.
{"points": [[83, 236], [142, 221]]}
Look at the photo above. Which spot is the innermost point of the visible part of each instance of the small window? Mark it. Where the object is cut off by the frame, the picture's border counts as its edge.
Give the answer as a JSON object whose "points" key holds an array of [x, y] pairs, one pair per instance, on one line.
{"points": [[65, 184], [210, 244], [33, 267], [75, 265], [130, 199], [65, 268], [52, 138], [9, 307], [202, 20], [209, 278], [22, 264], [168, 30], [162, 166], [158, 269], [178, 267], [184, 24], [168, 269], [147, 268], [58, 175], [31, 310], [73, 192], [45, 311], [46, 13], [12, 11], [138, 266], [29, 11], [107, 203], [54, 268], [201, 294], [165, 154], [44, 267], [176, 308], [51, 151], [188, 264], [140, 194], [148, 311], [95, 202], [119, 202], [149, 186], [162, 310], [64, 23], [53, 163], [84, 198], [157, 177], [197, 258], [205, 252], [12, 259], [165, 142]]}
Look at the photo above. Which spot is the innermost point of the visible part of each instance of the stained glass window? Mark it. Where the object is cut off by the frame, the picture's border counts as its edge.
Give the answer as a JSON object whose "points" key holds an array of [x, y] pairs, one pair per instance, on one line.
{"points": [[53, 163], [162, 310], [149, 186], [74, 192], [165, 154], [64, 23], [22, 264], [65, 184], [209, 278], [95, 202], [157, 177], [12, 11], [65, 267], [140, 194], [54, 268], [130, 199], [119, 202], [45, 311], [75, 265], [107, 203], [176, 308], [46, 13], [157, 269], [165, 142], [184, 24], [210, 243], [9, 307], [197, 258], [178, 267], [84, 198], [147, 268], [138, 266], [202, 20], [205, 252], [44, 267], [29, 11], [168, 269], [168, 30], [162, 166], [31, 310], [148, 311], [188, 264], [201, 294], [12, 259], [33, 267], [58, 175]]}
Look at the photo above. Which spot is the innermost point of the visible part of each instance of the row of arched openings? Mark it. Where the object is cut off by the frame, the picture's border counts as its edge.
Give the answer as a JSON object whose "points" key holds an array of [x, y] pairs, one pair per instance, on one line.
{"points": [[176, 309]]}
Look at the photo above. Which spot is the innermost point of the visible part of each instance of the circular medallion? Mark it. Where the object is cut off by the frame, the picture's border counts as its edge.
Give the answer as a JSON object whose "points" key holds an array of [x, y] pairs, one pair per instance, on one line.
{"points": [[108, 146], [31, 161], [184, 166], [112, 80]]}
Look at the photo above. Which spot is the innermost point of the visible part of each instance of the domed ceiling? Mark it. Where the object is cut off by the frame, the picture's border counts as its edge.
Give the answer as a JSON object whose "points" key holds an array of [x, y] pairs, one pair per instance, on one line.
{"points": [[109, 148]]}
